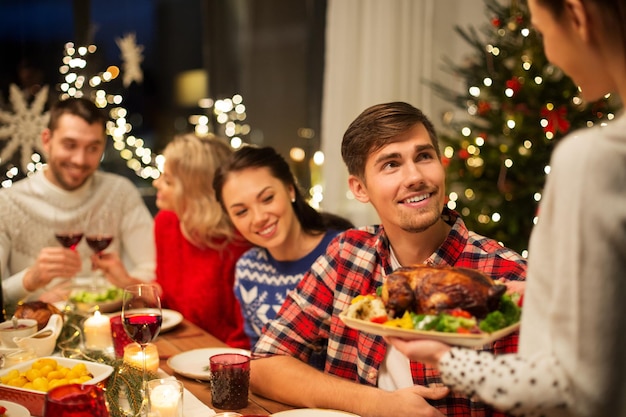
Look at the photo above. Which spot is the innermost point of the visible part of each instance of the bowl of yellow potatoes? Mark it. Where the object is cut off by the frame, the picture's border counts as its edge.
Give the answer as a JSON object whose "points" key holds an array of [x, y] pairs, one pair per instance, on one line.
{"points": [[27, 383]]}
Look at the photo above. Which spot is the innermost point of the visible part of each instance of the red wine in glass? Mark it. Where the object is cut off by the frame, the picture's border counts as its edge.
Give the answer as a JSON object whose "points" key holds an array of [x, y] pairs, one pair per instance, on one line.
{"points": [[99, 243], [142, 317], [142, 328], [69, 240]]}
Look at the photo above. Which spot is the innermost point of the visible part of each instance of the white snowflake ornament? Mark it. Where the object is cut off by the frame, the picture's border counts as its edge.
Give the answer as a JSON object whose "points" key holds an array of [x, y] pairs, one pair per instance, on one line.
{"points": [[22, 128], [132, 58]]}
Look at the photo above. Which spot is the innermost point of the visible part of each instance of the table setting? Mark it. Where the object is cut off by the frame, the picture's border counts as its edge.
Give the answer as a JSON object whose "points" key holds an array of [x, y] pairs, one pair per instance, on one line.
{"points": [[178, 354], [121, 361]]}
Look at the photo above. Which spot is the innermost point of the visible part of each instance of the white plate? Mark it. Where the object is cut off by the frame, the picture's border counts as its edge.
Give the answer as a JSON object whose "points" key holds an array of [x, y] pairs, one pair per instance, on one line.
{"points": [[15, 410], [194, 363], [456, 339], [171, 319], [313, 412]]}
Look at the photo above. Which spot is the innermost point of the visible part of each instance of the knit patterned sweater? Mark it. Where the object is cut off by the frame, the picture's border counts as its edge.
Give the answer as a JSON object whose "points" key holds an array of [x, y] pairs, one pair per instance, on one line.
{"points": [[262, 283]]}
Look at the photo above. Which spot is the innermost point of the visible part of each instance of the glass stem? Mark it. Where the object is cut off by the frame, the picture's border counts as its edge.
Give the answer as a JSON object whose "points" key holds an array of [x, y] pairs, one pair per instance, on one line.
{"points": [[144, 383]]}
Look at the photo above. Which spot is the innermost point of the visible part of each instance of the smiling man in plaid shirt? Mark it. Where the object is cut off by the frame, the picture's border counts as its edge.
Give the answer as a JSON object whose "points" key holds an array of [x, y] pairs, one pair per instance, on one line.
{"points": [[394, 163]]}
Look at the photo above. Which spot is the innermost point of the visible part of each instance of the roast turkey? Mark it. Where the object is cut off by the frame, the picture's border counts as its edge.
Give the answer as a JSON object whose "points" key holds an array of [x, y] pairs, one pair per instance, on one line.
{"points": [[37, 310], [430, 290]]}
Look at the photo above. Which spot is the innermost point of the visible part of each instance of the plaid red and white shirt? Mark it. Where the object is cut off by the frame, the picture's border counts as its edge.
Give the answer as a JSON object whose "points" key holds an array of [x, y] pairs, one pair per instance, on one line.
{"points": [[355, 263]]}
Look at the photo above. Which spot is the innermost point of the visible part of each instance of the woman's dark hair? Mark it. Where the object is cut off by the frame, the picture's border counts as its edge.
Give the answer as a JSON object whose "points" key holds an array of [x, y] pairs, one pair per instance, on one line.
{"points": [[266, 157], [612, 14]]}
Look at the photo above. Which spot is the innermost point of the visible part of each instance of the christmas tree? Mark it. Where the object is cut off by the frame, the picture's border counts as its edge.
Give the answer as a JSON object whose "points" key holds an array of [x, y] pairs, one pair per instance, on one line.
{"points": [[516, 107]]}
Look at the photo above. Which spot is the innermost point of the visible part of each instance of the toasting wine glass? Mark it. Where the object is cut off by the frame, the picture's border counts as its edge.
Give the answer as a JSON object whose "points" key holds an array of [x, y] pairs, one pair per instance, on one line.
{"points": [[141, 315], [68, 233], [99, 234]]}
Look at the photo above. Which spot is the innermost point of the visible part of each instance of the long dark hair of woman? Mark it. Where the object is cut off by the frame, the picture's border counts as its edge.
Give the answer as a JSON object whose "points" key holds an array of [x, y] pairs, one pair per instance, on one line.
{"points": [[311, 220]]}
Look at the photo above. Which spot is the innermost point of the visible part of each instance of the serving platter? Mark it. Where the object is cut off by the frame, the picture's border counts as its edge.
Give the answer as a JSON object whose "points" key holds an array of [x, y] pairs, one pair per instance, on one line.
{"points": [[34, 400], [455, 339]]}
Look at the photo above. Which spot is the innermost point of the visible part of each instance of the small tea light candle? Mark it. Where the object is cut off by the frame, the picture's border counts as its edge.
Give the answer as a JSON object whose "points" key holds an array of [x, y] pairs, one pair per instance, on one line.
{"points": [[97, 330], [165, 398], [133, 356]]}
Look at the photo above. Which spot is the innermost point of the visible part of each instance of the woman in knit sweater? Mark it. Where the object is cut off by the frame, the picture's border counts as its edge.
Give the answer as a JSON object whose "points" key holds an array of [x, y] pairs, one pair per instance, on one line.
{"points": [[197, 247], [258, 191]]}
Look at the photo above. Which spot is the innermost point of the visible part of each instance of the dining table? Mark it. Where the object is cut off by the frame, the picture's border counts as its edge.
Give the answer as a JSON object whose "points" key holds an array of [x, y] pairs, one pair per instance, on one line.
{"points": [[187, 336]]}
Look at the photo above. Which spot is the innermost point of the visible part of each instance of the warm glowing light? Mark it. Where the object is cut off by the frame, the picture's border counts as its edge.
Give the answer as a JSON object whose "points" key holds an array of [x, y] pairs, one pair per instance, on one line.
{"points": [[297, 154], [236, 142], [318, 158]]}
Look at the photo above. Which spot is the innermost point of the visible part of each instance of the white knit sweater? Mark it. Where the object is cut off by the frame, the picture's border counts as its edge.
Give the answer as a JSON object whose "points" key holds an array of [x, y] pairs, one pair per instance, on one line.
{"points": [[30, 207]]}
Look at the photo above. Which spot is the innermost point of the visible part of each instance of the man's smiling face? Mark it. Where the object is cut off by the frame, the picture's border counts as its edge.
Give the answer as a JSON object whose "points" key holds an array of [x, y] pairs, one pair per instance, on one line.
{"points": [[405, 182]]}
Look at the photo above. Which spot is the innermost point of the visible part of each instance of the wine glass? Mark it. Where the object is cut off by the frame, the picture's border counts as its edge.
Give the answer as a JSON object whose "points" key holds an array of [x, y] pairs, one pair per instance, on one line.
{"points": [[142, 317], [68, 233], [99, 234]]}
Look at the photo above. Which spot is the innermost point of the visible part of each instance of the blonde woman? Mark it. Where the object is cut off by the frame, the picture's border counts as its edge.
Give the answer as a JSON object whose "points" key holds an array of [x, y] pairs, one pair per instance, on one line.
{"points": [[197, 247]]}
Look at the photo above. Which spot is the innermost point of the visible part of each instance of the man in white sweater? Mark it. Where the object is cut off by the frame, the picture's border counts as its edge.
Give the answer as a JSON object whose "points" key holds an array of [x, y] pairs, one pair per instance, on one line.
{"points": [[70, 189]]}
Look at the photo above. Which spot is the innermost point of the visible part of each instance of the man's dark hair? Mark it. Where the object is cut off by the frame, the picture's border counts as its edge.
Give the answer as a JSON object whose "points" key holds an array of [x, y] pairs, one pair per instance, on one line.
{"points": [[376, 127], [81, 107]]}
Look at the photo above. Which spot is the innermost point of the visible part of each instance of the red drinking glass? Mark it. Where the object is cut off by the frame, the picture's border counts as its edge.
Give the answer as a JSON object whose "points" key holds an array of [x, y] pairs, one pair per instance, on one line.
{"points": [[75, 400], [120, 337]]}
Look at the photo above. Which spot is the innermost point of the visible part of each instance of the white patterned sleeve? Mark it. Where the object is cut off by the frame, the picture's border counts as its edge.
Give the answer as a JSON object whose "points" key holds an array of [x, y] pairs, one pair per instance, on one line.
{"points": [[515, 385]]}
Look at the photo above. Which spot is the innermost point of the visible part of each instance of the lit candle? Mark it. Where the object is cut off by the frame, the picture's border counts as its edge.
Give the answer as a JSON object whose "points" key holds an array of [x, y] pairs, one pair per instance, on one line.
{"points": [[166, 398], [97, 331], [133, 356]]}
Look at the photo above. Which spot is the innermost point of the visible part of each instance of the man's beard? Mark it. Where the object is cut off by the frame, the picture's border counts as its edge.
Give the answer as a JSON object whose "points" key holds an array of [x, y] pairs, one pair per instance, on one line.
{"points": [[57, 172], [420, 222]]}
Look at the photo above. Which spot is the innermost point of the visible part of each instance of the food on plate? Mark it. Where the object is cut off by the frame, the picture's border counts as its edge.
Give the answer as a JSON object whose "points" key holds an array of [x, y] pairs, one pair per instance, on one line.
{"points": [[96, 295], [45, 374], [3, 411], [444, 299], [430, 290], [37, 310]]}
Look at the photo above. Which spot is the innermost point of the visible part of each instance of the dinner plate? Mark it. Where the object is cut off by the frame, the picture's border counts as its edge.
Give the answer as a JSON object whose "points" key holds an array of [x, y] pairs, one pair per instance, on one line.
{"points": [[171, 319], [313, 412], [14, 409], [456, 339], [194, 363]]}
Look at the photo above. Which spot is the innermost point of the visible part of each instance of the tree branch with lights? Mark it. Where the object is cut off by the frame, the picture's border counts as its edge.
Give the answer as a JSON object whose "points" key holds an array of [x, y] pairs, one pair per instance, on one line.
{"points": [[513, 110]]}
